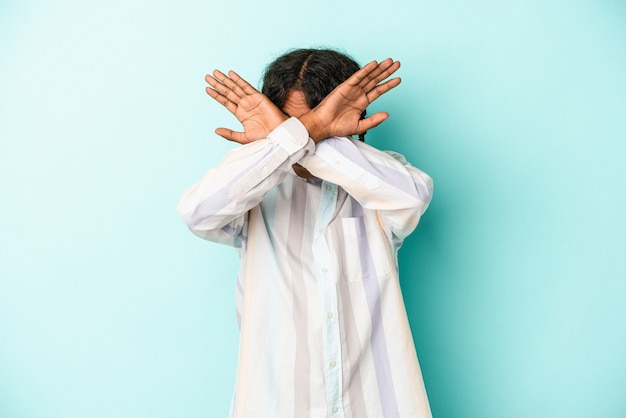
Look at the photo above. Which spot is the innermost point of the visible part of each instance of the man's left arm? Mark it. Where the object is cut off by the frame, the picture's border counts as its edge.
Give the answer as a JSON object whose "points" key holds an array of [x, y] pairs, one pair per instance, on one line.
{"points": [[379, 180]]}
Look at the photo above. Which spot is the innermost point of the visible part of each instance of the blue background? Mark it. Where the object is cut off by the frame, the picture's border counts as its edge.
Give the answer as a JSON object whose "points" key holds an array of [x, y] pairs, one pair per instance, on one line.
{"points": [[514, 281]]}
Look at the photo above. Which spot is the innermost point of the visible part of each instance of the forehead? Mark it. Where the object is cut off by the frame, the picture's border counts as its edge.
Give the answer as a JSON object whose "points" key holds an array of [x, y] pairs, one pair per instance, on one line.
{"points": [[295, 104]]}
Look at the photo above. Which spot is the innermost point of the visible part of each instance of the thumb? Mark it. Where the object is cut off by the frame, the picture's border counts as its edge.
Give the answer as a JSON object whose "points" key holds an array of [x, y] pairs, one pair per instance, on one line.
{"points": [[229, 134], [371, 122]]}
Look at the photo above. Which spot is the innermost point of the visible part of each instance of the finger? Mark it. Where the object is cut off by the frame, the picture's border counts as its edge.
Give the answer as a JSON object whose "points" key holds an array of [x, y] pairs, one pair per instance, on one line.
{"points": [[213, 82], [383, 72], [221, 88], [362, 74], [228, 87], [242, 84], [371, 122], [375, 71], [370, 74], [381, 89], [385, 69], [229, 134], [221, 99]]}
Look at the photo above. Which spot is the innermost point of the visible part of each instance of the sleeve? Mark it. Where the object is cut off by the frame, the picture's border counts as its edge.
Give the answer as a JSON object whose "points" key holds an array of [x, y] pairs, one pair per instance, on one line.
{"points": [[216, 207], [382, 181]]}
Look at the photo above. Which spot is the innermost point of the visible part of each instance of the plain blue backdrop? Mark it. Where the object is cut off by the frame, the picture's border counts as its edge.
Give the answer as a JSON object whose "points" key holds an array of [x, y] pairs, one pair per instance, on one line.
{"points": [[514, 281]]}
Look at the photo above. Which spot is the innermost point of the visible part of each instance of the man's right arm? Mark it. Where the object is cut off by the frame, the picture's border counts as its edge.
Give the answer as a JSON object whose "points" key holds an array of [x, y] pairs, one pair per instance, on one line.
{"points": [[216, 206]]}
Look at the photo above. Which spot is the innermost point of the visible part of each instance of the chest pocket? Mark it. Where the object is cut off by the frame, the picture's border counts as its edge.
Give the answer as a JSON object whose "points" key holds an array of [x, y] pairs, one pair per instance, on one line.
{"points": [[361, 248]]}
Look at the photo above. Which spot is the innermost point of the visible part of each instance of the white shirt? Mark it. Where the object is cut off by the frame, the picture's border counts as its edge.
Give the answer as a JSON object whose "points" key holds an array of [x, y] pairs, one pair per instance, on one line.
{"points": [[324, 331]]}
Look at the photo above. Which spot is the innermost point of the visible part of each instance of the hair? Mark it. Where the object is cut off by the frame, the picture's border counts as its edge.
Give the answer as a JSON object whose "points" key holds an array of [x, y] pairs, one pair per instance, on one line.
{"points": [[315, 72]]}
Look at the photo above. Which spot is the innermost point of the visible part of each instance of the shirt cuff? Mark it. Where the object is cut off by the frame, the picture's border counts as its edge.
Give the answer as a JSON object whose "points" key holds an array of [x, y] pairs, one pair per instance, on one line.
{"points": [[292, 136]]}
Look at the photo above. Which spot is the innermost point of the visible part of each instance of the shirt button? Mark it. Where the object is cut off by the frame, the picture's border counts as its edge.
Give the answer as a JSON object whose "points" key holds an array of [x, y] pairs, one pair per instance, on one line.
{"points": [[333, 364], [328, 187], [335, 409], [329, 315], [324, 270]]}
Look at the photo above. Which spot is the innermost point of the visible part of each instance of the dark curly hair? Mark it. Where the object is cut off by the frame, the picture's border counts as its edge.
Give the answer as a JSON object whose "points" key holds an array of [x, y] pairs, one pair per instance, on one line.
{"points": [[315, 72]]}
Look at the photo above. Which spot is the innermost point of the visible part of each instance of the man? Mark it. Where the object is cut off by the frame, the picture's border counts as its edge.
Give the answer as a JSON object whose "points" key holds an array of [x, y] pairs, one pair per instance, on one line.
{"points": [[317, 218]]}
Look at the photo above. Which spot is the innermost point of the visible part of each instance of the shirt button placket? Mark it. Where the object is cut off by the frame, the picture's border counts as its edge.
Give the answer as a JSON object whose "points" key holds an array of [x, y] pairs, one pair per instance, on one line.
{"points": [[332, 349]]}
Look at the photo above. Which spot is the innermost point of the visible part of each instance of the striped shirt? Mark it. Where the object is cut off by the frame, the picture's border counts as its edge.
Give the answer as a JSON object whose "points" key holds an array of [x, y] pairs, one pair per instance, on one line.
{"points": [[323, 327]]}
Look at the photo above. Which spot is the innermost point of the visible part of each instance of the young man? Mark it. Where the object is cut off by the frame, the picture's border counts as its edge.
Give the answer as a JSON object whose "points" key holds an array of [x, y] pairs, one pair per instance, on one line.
{"points": [[317, 218]]}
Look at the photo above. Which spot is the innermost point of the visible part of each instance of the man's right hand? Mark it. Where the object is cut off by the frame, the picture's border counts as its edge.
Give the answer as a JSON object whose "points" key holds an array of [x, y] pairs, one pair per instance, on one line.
{"points": [[258, 115]]}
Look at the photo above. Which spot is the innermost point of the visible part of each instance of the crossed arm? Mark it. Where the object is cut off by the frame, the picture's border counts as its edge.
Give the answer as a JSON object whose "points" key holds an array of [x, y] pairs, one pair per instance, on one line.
{"points": [[339, 114], [215, 208]]}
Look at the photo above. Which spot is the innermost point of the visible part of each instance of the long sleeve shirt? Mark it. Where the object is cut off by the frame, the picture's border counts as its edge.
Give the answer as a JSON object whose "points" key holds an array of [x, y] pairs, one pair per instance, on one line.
{"points": [[323, 326]]}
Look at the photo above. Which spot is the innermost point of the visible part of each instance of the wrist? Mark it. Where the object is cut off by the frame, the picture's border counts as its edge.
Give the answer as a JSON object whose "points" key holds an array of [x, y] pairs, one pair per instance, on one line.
{"points": [[276, 120], [317, 131]]}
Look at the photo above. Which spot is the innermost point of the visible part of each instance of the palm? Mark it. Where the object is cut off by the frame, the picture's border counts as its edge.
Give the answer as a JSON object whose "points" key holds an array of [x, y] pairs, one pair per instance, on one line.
{"points": [[252, 111], [258, 115], [344, 107], [339, 114]]}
